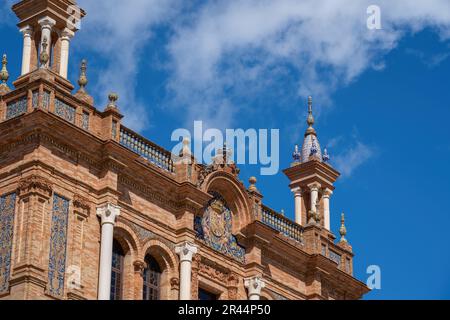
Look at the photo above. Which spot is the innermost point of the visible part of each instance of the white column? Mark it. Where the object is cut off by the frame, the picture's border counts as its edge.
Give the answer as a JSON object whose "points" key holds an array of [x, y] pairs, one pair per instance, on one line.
{"points": [[298, 205], [66, 35], [254, 286], [314, 188], [108, 214], [186, 252], [47, 24], [326, 207], [26, 52]]}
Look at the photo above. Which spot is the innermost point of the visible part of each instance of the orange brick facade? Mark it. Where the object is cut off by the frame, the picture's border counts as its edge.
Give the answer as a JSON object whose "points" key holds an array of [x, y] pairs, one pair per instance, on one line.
{"points": [[60, 147]]}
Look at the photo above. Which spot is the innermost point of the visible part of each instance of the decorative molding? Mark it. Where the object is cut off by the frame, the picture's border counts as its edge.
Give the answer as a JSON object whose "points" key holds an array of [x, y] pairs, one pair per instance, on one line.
{"points": [[7, 211], [174, 283], [58, 246], [145, 235], [35, 184]]}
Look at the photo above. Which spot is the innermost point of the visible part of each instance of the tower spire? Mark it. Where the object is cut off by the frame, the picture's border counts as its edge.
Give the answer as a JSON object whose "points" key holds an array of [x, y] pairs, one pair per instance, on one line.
{"points": [[83, 80], [343, 229], [310, 120], [4, 75]]}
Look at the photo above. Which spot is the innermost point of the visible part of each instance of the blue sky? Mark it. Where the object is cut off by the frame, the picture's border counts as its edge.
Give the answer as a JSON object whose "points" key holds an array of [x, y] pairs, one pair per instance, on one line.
{"points": [[381, 97]]}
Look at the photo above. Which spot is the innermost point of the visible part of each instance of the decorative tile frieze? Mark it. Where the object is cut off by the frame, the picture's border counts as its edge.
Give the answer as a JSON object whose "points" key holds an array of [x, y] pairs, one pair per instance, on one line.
{"points": [[16, 108], [58, 243], [335, 257], [46, 100], [64, 110], [7, 208], [85, 121], [35, 99]]}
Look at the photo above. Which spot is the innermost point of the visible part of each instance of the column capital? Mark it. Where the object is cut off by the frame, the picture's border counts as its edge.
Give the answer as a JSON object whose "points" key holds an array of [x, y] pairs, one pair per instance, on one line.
{"points": [[327, 192], [108, 213], [46, 22], [297, 191], [315, 186], [186, 251], [254, 285], [67, 34], [27, 31]]}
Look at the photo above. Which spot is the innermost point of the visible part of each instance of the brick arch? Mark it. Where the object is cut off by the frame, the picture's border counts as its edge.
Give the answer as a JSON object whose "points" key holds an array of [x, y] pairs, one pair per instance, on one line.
{"points": [[234, 194], [127, 238], [130, 245], [168, 263]]}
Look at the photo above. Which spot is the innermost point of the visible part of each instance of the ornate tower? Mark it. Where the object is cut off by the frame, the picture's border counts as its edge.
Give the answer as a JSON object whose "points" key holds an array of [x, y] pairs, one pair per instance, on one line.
{"points": [[47, 27], [311, 179]]}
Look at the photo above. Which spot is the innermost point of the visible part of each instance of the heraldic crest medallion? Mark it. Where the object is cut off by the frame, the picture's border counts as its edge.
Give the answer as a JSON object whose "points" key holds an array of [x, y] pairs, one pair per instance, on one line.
{"points": [[215, 228]]}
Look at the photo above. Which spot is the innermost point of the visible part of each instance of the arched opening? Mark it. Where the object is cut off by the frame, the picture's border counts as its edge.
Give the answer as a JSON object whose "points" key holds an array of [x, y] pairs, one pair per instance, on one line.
{"points": [[152, 279], [117, 266]]}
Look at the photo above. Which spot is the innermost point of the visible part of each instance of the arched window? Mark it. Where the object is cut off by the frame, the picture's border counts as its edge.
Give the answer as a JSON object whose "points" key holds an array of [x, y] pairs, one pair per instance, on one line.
{"points": [[152, 279], [117, 271]]}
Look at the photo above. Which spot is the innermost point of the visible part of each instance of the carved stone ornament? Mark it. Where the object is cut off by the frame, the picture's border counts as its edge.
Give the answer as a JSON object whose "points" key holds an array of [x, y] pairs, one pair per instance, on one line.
{"points": [[35, 184]]}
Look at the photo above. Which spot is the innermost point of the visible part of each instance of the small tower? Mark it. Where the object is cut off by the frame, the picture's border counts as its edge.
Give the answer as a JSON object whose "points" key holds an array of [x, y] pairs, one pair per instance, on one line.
{"points": [[312, 179], [47, 27]]}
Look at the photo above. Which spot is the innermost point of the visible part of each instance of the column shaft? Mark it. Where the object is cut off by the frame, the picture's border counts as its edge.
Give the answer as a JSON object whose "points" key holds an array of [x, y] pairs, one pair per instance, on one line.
{"points": [[108, 215], [326, 208], [26, 53], [298, 206], [66, 35], [185, 283], [186, 253], [104, 281]]}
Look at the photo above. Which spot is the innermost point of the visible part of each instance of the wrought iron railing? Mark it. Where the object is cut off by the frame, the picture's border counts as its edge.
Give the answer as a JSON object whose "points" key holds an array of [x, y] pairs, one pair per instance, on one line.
{"points": [[146, 149], [282, 224]]}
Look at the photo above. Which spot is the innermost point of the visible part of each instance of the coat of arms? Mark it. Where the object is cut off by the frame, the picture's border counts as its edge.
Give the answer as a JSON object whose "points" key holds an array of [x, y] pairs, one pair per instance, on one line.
{"points": [[215, 228]]}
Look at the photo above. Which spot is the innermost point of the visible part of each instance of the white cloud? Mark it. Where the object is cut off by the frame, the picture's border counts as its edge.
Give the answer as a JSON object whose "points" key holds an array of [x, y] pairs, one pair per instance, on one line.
{"points": [[117, 31], [241, 48], [353, 157]]}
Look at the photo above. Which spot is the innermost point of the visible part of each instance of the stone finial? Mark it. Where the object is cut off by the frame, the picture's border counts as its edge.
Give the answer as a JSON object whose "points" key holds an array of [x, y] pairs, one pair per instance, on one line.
{"points": [[186, 149], [313, 148], [252, 186], [83, 80], [310, 120], [325, 156], [297, 154], [282, 212], [44, 56], [4, 75], [343, 229], [113, 97]]}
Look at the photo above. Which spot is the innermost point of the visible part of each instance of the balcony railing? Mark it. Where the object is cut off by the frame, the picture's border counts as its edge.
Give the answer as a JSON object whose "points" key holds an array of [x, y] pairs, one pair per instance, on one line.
{"points": [[282, 224], [146, 149]]}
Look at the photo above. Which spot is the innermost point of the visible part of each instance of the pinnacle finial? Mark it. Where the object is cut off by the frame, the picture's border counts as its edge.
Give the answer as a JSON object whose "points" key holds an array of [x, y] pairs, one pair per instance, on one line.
{"points": [[252, 186], [325, 156], [4, 75], [44, 57], [297, 154], [310, 120], [343, 229], [82, 80], [113, 97]]}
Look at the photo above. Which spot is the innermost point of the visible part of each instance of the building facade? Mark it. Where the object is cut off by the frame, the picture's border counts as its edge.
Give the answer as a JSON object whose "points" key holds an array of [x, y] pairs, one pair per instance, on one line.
{"points": [[90, 209]]}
